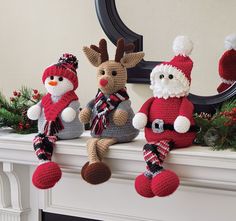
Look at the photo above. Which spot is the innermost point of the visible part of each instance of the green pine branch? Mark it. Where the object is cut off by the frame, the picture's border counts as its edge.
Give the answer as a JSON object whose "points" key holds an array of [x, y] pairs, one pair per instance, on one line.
{"points": [[13, 113], [218, 131]]}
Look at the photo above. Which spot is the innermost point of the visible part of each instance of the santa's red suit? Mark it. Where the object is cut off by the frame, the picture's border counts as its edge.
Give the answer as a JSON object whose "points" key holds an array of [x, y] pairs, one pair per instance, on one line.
{"points": [[168, 110], [168, 120]]}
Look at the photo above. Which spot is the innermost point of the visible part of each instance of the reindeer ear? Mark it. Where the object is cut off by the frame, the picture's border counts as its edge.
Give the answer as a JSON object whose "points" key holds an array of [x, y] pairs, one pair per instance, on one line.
{"points": [[93, 56], [131, 59]]}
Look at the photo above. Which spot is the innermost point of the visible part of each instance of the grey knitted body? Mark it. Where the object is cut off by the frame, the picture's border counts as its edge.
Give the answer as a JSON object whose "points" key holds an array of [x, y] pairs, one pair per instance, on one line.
{"points": [[71, 130], [125, 133]]}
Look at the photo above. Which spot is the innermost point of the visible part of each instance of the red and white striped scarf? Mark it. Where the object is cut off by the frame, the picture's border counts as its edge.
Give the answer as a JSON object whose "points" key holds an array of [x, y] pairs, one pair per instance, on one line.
{"points": [[103, 106]]}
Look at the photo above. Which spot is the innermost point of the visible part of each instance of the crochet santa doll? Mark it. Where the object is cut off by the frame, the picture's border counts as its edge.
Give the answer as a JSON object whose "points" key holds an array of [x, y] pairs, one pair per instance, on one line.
{"points": [[57, 115], [227, 64], [168, 120]]}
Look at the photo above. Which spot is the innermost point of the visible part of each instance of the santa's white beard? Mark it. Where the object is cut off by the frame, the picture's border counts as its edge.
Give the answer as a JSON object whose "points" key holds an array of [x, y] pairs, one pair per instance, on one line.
{"points": [[174, 88]]}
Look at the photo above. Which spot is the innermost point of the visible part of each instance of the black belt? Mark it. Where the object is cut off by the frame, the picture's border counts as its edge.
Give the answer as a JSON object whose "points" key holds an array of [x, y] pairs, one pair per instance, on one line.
{"points": [[159, 126]]}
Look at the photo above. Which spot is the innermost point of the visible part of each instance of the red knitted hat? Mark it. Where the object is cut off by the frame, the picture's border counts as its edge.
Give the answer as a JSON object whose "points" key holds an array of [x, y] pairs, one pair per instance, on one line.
{"points": [[227, 63], [65, 67], [181, 65]]}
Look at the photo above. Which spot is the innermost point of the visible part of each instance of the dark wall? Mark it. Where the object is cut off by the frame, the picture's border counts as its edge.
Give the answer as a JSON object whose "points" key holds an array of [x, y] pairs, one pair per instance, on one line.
{"points": [[58, 217]]}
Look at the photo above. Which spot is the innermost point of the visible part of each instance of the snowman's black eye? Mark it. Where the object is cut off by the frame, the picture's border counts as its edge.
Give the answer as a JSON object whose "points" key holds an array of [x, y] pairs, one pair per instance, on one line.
{"points": [[171, 76], [60, 78], [161, 76], [51, 77]]}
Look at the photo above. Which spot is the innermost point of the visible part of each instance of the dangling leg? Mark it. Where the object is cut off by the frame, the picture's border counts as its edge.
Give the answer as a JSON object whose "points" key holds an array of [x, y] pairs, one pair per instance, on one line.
{"points": [[92, 155], [48, 173], [164, 182], [152, 182], [97, 172], [103, 146], [143, 181]]}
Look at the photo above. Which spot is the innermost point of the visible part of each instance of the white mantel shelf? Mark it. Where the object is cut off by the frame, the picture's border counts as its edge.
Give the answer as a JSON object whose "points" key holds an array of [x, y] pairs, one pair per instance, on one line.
{"points": [[200, 170]]}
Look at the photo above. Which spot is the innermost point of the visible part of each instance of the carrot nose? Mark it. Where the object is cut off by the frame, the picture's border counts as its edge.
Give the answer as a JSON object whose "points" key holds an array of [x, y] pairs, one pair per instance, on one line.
{"points": [[103, 82], [52, 83]]}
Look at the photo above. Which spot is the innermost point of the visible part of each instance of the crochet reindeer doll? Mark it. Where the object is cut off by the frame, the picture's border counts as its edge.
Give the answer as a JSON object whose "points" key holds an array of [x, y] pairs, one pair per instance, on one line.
{"points": [[110, 112], [57, 115], [168, 120]]}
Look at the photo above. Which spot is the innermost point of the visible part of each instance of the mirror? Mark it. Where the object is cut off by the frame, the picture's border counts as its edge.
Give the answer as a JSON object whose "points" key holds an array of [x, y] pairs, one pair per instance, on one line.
{"points": [[205, 31], [207, 25]]}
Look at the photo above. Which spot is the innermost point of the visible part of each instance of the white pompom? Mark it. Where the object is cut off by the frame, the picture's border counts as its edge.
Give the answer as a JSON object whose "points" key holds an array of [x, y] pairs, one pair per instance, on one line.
{"points": [[140, 121], [34, 112], [181, 124], [68, 114], [182, 45], [230, 42]]}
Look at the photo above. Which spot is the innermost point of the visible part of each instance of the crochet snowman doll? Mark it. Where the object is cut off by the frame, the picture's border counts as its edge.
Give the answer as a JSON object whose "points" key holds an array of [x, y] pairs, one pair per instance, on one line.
{"points": [[227, 64], [57, 115], [168, 120]]}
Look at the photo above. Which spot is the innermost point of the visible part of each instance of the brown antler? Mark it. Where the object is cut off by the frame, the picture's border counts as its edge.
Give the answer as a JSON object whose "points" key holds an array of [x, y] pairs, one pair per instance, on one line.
{"points": [[102, 49], [121, 48]]}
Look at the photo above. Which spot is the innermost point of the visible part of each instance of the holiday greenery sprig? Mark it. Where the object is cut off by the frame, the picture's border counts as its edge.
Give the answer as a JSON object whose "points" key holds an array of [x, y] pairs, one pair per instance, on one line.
{"points": [[219, 130], [13, 113]]}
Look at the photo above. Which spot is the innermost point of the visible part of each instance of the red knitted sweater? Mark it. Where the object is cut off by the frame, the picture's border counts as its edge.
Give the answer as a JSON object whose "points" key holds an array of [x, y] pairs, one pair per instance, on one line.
{"points": [[168, 110]]}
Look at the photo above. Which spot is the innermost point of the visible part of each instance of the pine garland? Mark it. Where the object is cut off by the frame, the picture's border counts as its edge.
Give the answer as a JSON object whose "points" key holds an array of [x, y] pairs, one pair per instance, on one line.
{"points": [[13, 113], [218, 131]]}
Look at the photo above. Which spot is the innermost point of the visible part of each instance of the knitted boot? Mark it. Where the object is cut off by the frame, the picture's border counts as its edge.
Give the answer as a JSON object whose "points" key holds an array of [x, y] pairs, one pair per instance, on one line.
{"points": [[143, 184], [48, 173], [164, 183]]}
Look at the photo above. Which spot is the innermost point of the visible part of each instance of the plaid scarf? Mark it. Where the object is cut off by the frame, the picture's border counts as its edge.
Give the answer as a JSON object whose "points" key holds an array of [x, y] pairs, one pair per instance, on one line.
{"points": [[103, 106], [52, 110], [45, 142]]}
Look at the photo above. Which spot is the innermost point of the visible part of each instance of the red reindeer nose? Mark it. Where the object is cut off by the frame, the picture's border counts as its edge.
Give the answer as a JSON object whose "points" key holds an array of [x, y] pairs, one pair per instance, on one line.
{"points": [[103, 82]]}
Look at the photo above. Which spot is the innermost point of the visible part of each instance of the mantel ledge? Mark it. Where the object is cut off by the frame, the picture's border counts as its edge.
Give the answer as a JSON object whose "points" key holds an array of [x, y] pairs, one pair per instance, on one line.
{"points": [[196, 165], [195, 155]]}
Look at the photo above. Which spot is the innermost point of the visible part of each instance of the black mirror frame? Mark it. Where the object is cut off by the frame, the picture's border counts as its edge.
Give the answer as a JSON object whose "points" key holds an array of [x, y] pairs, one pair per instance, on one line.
{"points": [[114, 28]]}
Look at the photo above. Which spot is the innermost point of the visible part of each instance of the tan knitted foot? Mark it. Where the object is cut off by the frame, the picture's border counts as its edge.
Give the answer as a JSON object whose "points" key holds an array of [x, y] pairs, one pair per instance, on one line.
{"points": [[103, 145], [92, 150]]}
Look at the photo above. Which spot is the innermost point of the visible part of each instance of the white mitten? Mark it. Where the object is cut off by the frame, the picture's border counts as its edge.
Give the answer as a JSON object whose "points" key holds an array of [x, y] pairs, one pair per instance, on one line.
{"points": [[34, 112], [68, 114], [181, 124], [140, 121]]}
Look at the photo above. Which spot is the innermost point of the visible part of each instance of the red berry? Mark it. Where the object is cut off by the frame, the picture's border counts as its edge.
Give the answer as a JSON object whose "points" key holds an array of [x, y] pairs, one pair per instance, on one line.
{"points": [[12, 99], [18, 94], [27, 125], [15, 93], [35, 91], [37, 96]]}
